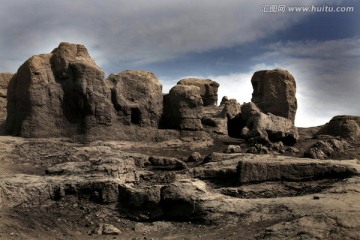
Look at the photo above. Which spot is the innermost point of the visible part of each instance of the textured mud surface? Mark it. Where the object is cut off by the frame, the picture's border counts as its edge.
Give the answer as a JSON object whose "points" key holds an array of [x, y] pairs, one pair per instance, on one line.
{"points": [[57, 189]]}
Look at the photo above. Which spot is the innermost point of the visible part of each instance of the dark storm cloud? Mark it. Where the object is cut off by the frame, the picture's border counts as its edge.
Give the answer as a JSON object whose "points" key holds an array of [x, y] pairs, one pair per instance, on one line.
{"points": [[132, 32]]}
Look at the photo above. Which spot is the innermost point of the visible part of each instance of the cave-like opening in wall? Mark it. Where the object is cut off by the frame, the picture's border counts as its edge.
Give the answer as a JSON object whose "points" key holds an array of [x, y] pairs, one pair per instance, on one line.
{"points": [[135, 116]]}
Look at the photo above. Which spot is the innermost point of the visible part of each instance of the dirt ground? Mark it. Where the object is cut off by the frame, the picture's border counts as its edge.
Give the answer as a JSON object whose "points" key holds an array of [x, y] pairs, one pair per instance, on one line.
{"points": [[326, 209], [71, 219]]}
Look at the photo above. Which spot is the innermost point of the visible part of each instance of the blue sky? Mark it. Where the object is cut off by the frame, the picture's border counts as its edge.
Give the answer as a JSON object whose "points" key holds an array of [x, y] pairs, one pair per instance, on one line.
{"points": [[226, 41]]}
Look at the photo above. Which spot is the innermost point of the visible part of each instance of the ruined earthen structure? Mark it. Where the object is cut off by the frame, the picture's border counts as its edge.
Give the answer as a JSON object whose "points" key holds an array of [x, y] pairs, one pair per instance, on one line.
{"points": [[137, 97], [64, 93], [183, 108], [343, 126], [274, 92], [208, 89], [58, 94], [4, 81]]}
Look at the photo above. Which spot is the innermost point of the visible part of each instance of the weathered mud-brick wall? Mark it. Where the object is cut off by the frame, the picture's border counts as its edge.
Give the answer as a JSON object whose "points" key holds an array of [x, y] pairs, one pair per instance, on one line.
{"points": [[58, 94], [4, 81], [274, 92]]}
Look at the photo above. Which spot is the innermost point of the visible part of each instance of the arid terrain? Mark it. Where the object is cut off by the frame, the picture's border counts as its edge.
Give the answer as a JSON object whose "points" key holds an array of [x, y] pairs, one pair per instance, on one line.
{"points": [[319, 207], [84, 157]]}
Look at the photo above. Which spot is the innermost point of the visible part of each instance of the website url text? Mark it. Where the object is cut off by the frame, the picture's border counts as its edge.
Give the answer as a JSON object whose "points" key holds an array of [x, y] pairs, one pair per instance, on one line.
{"points": [[276, 8]]}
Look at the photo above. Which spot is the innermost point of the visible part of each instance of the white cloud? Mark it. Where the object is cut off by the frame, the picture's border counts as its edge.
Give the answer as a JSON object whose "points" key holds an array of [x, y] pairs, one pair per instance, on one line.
{"points": [[235, 85], [327, 78], [330, 49], [327, 75], [238, 85]]}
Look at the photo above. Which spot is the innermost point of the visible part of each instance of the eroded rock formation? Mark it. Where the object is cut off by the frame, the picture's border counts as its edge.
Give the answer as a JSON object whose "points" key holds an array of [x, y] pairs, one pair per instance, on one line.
{"points": [[256, 126], [4, 81], [231, 109], [274, 92], [58, 94], [64, 93], [343, 126], [208, 89], [137, 97], [271, 114], [183, 108], [326, 149]]}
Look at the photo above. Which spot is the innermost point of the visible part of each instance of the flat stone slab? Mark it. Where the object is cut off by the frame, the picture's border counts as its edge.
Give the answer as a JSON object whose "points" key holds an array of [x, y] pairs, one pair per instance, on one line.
{"points": [[249, 168]]}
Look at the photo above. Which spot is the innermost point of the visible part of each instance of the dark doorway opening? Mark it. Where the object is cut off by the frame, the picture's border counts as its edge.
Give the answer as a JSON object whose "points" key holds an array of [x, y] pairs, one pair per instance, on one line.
{"points": [[135, 116]]}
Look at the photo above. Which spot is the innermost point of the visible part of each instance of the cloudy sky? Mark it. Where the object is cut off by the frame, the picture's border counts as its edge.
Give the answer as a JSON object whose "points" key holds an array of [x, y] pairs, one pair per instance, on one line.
{"points": [[225, 40]]}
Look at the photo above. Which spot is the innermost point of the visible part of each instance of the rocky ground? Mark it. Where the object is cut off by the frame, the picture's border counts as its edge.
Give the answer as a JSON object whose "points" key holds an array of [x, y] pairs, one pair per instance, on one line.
{"points": [[115, 158], [178, 189]]}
